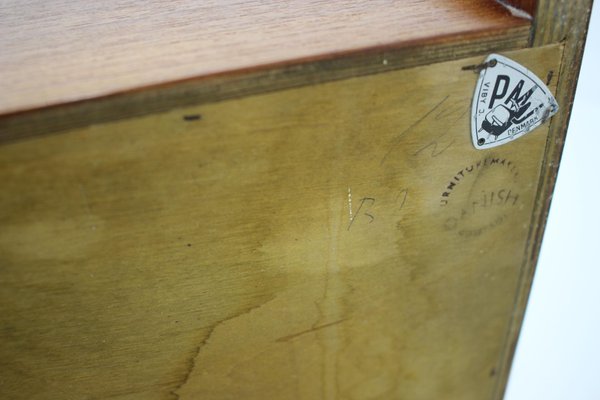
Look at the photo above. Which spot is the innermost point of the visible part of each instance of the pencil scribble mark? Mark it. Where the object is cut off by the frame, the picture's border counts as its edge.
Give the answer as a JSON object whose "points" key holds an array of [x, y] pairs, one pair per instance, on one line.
{"points": [[397, 139]]}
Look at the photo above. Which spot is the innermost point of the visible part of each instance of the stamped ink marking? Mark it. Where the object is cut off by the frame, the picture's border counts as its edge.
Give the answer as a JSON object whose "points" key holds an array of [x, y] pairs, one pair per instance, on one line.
{"points": [[509, 102], [475, 168], [475, 205]]}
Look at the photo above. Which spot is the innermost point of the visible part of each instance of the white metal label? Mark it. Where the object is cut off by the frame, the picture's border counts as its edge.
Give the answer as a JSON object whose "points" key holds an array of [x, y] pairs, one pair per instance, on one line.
{"points": [[509, 101]]}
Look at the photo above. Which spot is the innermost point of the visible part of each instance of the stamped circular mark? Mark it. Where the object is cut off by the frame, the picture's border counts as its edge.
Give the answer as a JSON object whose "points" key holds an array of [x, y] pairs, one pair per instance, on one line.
{"points": [[480, 197]]}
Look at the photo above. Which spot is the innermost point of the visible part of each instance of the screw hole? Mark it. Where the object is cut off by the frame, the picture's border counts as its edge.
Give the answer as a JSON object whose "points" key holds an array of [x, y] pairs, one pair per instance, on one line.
{"points": [[481, 141], [192, 117]]}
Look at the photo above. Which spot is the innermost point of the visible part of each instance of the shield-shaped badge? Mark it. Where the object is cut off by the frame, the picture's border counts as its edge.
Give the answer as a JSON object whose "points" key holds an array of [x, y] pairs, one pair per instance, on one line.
{"points": [[509, 101]]}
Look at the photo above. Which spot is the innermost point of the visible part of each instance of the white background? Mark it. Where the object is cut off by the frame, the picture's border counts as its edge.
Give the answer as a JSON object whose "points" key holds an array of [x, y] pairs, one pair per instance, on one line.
{"points": [[558, 354]]}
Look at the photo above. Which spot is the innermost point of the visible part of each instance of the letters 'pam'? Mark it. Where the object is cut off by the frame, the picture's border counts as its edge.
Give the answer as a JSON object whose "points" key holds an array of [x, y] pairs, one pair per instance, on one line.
{"points": [[509, 101]]}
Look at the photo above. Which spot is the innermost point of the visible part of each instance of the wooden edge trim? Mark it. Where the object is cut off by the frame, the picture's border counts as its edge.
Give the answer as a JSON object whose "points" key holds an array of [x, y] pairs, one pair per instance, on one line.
{"points": [[28, 124], [571, 31]]}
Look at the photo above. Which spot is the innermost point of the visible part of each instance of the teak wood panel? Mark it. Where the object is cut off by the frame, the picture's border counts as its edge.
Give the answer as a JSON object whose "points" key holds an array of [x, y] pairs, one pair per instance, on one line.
{"points": [[332, 241], [65, 51]]}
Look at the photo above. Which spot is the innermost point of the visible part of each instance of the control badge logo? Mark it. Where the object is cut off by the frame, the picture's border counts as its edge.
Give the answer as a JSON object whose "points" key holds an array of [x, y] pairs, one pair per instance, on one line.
{"points": [[509, 101]]}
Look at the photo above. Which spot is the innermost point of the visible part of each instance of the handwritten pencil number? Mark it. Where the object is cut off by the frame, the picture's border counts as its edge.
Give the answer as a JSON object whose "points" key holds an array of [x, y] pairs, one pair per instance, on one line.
{"points": [[400, 202], [401, 199], [363, 209]]}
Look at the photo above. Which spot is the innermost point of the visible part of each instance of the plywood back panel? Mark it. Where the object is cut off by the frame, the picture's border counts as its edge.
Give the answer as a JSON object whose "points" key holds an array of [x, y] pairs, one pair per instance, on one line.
{"points": [[341, 240]]}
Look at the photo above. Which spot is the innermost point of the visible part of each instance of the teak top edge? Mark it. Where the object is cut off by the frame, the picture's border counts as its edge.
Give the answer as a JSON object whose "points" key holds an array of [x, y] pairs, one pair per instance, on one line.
{"points": [[66, 52]]}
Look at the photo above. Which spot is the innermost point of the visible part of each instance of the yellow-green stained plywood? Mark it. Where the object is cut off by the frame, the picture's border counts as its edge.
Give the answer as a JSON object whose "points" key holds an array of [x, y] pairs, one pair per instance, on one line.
{"points": [[302, 244]]}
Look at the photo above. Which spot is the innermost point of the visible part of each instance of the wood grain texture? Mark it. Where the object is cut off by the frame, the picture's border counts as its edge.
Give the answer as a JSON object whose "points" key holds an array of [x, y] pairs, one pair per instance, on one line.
{"points": [[65, 51], [206, 90], [287, 245]]}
